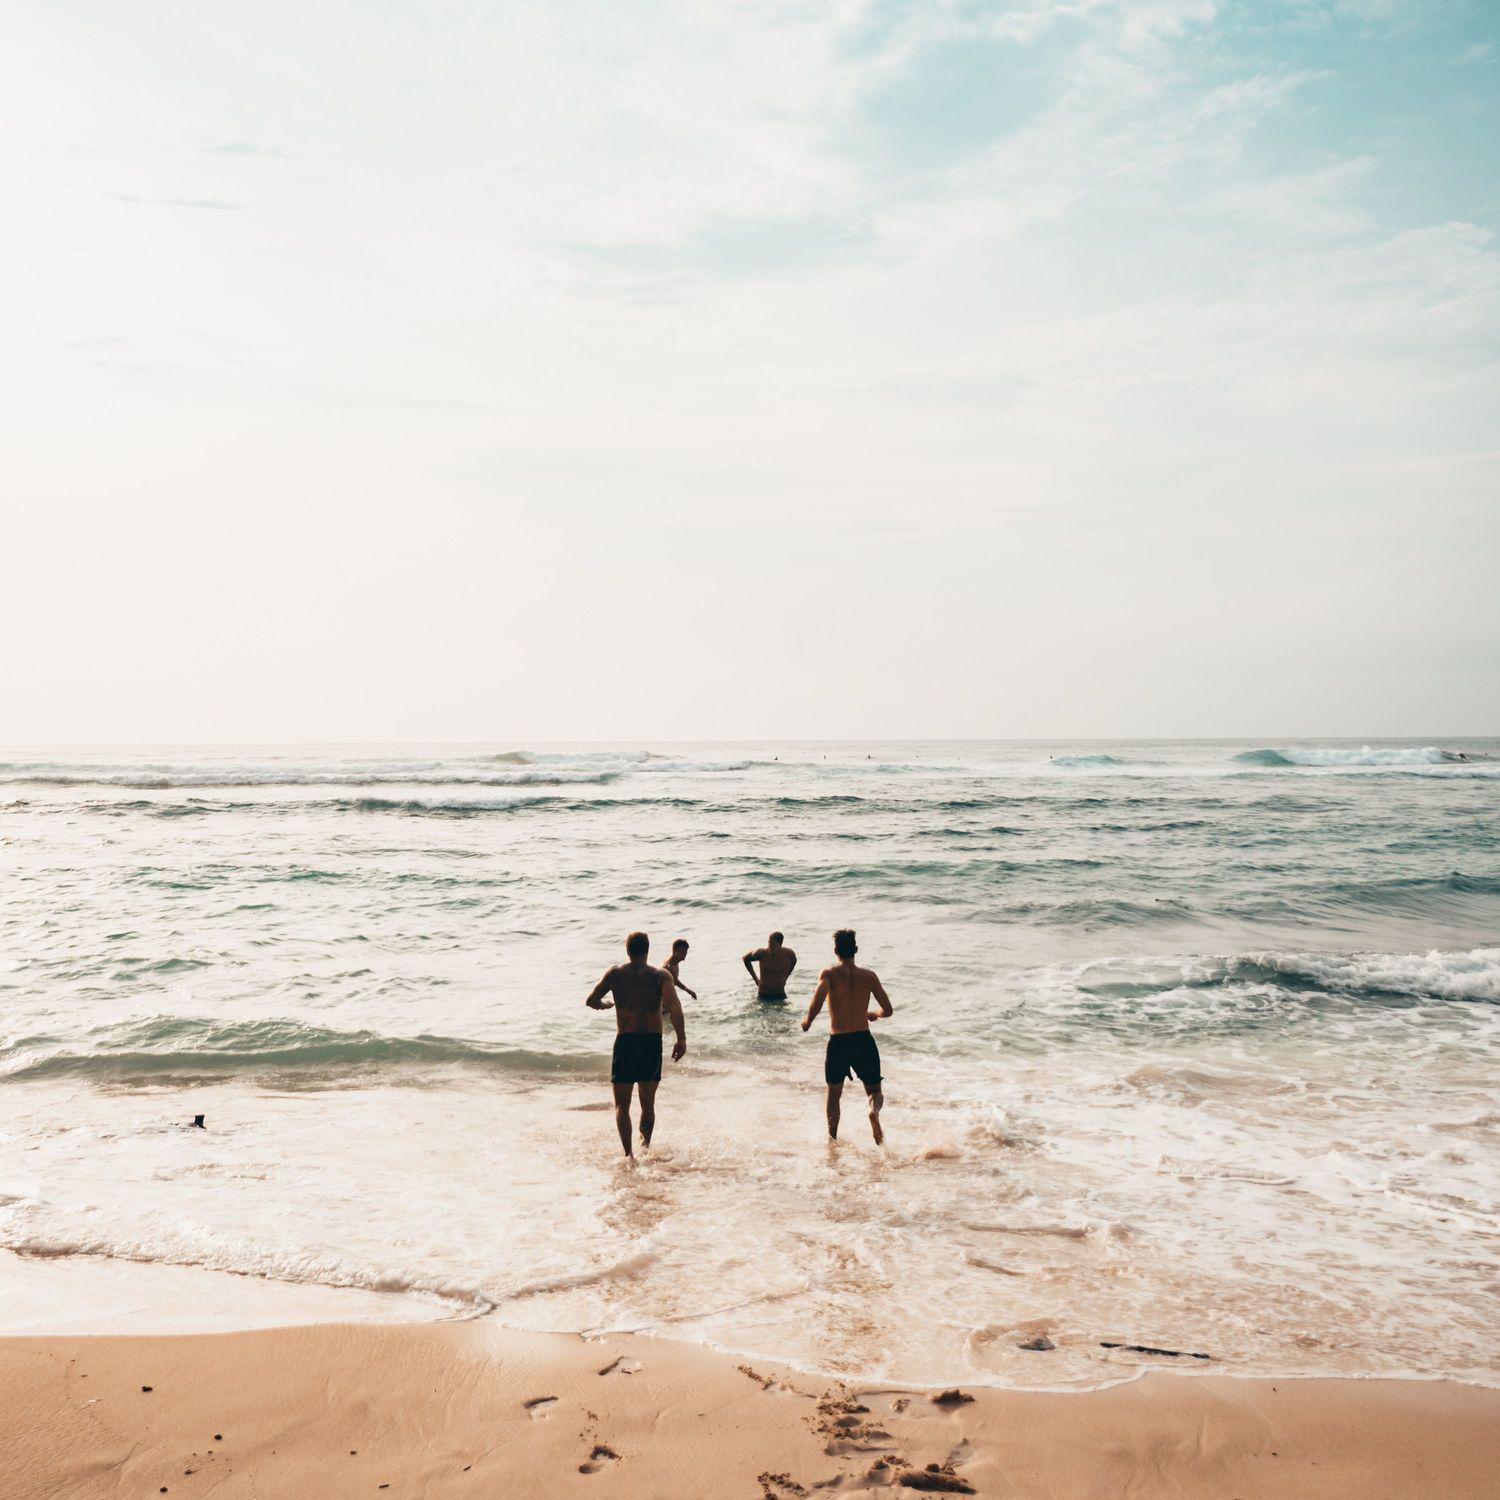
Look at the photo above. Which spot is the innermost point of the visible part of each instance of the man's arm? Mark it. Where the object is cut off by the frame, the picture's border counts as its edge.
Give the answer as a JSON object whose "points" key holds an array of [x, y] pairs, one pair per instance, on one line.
{"points": [[791, 962], [680, 985], [878, 990], [673, 1007], [596, 1000], [749, 962], [819, 996]]}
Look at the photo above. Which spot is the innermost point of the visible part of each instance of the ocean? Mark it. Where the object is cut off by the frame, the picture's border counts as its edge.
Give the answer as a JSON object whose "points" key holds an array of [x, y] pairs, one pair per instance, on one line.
{"points": [[1195, 1046]]}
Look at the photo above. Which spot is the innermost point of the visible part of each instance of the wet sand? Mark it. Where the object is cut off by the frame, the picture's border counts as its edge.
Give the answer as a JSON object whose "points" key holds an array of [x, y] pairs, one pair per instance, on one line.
{"points": [[473, 1409]]}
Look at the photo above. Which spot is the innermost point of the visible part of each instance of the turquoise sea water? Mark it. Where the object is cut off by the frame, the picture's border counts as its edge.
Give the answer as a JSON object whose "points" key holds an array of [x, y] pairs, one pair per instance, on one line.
{"points": [[1195, 1044]]}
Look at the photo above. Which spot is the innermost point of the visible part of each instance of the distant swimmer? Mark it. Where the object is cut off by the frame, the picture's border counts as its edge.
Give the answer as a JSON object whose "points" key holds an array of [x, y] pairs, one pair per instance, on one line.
{"points": [[673, 964], [641, 993], [848, 989], [776, 962]]}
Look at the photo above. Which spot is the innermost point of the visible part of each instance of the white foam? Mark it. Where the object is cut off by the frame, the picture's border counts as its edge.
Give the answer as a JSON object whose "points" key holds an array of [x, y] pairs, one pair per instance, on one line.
{"points": [[1427, 755], [91, 1294], [1474, 975]]}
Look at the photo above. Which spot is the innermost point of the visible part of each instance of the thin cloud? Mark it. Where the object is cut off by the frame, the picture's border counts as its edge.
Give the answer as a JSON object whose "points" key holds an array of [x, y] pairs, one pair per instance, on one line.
{"points": [[209, 203], [729, 249], [246, 148]]}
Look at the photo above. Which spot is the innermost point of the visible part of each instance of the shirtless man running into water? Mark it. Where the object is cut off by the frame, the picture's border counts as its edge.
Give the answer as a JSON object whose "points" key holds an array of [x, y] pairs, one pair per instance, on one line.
{"points": [[776, 962], [848, 989], [641, 993]]}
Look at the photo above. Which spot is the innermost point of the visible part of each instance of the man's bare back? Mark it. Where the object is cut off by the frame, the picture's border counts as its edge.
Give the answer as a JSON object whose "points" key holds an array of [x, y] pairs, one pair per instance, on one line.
{"points": [[849, 990], [639, 991], [776, 962]]}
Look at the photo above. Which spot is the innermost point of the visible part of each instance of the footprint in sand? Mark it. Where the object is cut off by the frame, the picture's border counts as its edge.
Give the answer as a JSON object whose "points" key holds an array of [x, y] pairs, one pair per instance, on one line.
{"points": [[539, 1406], [622, 1366], [884, 1403], [848, 1427], [596, 1460], [779, 1486]]}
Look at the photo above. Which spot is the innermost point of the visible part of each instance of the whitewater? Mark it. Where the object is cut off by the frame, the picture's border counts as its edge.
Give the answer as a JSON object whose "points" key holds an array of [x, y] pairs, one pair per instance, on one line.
{"points": [[1195, 1047]]}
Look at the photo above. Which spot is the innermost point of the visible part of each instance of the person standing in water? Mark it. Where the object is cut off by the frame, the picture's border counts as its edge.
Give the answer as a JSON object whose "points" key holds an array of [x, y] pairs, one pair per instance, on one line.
{"points": [[776, 962], [848, 989], [674, 964], [640, 994]]}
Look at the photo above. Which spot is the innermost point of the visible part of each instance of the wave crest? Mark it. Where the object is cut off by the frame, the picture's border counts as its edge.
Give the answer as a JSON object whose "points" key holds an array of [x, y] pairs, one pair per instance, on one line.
{"points": [[176, 1046], [1474, 975], [1427, 755]]}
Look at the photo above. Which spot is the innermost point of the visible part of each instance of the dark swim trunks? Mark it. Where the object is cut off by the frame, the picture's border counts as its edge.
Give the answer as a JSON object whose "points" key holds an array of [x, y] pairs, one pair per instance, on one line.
{"points": [[850, 1053], [772, 995], [637, 1057]]}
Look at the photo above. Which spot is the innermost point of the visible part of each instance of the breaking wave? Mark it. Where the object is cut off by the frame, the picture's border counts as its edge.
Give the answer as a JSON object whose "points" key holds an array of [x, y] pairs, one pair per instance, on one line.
{"points": [[1428, 755], [1474, 975], [175, 1046], [1377, 978]]}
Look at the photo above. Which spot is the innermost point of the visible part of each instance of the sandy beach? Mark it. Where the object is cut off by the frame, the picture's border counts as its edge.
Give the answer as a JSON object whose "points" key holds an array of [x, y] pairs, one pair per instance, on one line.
{"points": [[473, 1409]]}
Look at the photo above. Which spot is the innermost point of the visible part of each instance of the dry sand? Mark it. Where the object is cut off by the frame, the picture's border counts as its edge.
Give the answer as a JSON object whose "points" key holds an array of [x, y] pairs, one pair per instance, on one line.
{"points": [[471, 1409]]}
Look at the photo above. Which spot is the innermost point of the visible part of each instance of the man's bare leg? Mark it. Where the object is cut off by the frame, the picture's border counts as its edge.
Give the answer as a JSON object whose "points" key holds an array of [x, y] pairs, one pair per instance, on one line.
{"points": [[877, 1098], [622, 1113], [835, 1091], [648, 1111]]}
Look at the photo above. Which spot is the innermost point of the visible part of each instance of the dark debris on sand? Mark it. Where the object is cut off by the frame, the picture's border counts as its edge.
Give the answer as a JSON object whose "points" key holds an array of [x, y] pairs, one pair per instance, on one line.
{"points": [[1147, 1349], [939, 1477], [955, 1397], [600, 1455]]}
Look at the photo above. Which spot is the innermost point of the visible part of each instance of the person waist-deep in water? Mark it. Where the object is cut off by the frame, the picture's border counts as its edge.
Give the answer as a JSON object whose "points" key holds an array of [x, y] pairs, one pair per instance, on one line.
{"points": [[673, 966], [851, 1052], [639, 994], [776, 962]]}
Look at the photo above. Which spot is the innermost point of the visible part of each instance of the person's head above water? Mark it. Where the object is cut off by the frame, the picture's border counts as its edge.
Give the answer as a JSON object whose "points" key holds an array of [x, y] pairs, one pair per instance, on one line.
{"points": [[680, 947], [775, 940], [637, 946], [844, 944]]}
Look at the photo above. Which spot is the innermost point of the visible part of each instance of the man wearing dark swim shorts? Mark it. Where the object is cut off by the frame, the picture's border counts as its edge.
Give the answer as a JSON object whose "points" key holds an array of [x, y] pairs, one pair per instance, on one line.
{"points": [[640, 995], [852, 1052]]}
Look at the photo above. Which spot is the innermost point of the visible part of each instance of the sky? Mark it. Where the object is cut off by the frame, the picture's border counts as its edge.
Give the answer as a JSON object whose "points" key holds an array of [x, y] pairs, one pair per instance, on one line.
{"points": [[663, 370]]}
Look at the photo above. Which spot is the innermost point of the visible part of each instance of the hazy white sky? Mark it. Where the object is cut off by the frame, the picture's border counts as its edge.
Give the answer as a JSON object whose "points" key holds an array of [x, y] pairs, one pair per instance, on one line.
{"points": [[651, 370]]}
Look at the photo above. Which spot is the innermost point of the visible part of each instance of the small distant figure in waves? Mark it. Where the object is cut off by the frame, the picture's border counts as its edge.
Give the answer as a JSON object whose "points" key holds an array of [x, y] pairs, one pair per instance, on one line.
{"points": [[776, 962], [674, 965], [848, 989], [640, 994]]}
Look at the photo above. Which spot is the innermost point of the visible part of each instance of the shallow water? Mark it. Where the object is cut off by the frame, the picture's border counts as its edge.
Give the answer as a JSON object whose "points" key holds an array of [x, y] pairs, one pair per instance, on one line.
{"points": [[1195, 1045]]}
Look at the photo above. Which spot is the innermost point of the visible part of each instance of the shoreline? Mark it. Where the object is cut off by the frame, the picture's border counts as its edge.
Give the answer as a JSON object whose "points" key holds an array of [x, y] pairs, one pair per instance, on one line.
{"points": [[474, 1408], [86, 1296]]}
